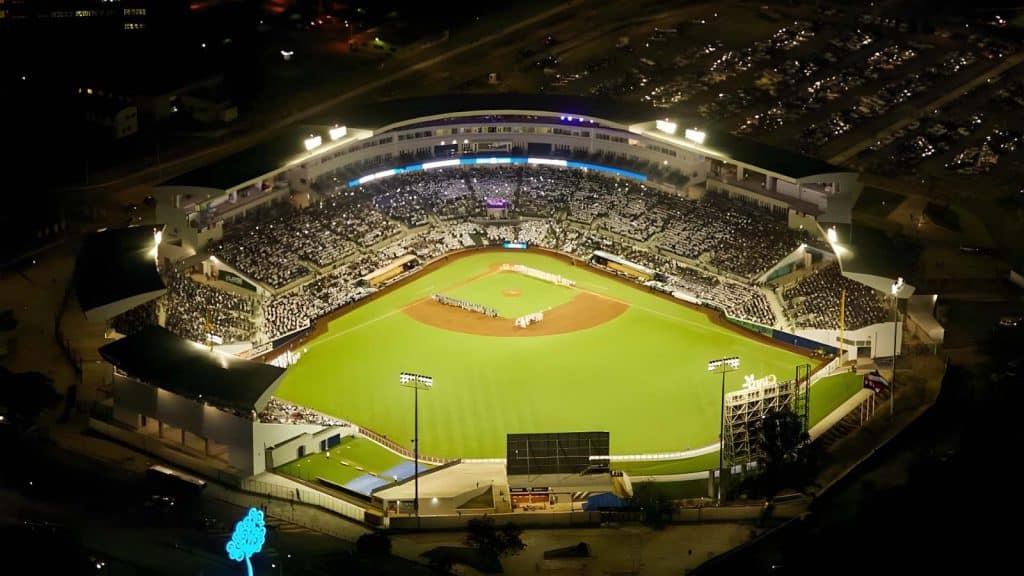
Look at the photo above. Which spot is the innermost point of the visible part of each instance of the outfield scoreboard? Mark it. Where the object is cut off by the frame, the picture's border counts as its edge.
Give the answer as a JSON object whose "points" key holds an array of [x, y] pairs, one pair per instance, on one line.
{"points": [[557, 453], [516, 245]]}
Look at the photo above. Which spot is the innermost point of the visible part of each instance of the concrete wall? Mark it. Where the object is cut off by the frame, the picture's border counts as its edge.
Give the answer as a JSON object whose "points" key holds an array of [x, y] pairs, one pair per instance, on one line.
{"points": [[157, 448], [282, 452], [526, 520], [169, 211], [880, 337], [268, 435], [133, 398]]}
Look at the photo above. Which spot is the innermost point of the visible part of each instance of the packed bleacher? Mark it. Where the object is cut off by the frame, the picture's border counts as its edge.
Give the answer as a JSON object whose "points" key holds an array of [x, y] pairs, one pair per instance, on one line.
{"points": [[195, 309], [135, 319], [495, 182], [279, 411], [731, 236], [736, 299], [814, 301], [313, 258], [292, 243]]}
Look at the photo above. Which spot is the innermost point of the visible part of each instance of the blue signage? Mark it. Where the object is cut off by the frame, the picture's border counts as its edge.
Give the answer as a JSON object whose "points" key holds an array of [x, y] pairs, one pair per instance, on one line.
{"points": [[248, 538]]}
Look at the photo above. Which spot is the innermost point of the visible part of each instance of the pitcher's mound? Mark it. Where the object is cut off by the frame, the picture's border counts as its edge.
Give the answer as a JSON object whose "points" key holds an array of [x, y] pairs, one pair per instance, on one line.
{"points": [[510, 293]]}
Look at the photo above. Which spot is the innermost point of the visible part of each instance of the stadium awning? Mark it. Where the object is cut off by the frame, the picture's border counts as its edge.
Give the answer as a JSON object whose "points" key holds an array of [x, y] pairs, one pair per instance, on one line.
{"points": [[116, 271], [870, 257], [162, 359]]}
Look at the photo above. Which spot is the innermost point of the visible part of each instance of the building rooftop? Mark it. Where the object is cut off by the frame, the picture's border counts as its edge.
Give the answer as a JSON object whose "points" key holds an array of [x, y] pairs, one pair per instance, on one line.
{"points": [[116, 270], [158, 357], [287, 145]]}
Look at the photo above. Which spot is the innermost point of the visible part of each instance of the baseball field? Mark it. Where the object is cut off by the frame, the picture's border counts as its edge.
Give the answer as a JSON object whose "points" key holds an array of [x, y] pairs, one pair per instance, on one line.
{"points": [[607, 356]]}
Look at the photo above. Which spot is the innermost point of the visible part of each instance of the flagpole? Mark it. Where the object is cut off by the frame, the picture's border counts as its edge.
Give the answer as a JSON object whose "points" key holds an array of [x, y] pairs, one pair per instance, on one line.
{"points": [[896, 286]]}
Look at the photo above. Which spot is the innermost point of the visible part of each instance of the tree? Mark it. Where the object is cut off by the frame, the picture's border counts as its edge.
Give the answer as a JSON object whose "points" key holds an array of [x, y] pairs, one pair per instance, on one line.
{"points": [[248, 538], [26, 394], [7, 321], [440, 564], [655, 508], [786, 449], [490, 539], [374, 544]]}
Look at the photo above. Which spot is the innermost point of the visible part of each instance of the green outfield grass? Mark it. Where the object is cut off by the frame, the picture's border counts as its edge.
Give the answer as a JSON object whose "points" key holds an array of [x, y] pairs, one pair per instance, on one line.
{"points": [[642, 376], [344, 461], [534, 295], [826, 395]]}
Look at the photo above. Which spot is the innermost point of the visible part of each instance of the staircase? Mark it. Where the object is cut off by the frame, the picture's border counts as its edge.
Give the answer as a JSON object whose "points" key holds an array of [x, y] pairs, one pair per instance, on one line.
{"points": [[775, 303]]}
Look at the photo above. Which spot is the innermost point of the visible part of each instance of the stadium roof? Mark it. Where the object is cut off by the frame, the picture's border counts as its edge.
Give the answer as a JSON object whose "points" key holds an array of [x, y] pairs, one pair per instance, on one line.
{"points": [[778, 160], [158, 357], [116, 271], [872, 258], [287, 145], [247, 164]]}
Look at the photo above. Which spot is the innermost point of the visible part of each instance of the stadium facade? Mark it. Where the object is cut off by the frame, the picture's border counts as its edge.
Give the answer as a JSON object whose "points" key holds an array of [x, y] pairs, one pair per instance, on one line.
{"points": [[196, 206]]}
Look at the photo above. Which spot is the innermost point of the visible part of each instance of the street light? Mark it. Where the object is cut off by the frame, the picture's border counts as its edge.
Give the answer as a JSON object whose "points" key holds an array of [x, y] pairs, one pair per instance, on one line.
{"points": [[416, 381], [896, 287], [722, 366]]}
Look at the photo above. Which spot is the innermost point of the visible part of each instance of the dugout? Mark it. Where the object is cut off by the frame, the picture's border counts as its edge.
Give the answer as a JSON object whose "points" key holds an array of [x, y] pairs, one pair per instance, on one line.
{"points": [[389, 271], [623, 266]]}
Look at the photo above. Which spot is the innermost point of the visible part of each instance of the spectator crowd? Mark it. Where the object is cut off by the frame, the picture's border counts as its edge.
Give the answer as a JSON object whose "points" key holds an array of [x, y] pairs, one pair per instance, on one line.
{"points": [[313, 260]]}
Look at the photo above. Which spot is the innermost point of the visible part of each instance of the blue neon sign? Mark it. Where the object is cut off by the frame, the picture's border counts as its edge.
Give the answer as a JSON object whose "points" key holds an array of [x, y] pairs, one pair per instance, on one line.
{"points": [[498, 160], [248, 538]]}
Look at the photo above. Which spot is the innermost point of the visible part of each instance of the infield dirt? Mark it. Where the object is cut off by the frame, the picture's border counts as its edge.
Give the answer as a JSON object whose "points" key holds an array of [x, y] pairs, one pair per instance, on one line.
{"points": [[584, 311]]}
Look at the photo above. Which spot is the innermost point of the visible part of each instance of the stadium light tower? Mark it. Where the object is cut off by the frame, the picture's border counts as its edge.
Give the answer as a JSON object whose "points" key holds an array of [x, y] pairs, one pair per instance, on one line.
{"points": [[416, 382], [722, 366], [896, 287]]}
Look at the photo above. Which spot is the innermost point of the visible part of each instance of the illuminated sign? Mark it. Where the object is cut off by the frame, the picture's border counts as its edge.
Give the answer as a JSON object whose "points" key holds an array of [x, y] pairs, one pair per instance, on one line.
{"points": [[749, 383], [516, 245], [695, 136], [337, 132], [440, 164], [248, 538], [497, 160], [667, 126], [312, 142]]}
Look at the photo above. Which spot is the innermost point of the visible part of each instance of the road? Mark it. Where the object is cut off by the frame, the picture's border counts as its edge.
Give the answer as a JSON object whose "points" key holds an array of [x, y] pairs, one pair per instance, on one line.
{"points": [[943, 100]]}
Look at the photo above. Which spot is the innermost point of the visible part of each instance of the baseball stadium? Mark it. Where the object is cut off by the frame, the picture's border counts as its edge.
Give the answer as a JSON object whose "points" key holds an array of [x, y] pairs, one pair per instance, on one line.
{"points": [[496, 306]]}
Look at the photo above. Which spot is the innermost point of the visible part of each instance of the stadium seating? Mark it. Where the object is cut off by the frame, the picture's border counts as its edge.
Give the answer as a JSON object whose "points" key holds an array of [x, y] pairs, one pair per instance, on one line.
{"points": [[314, 257]]}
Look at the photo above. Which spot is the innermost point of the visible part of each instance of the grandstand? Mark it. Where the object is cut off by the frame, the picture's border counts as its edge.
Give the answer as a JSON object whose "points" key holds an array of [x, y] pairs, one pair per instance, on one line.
{"points": [[358, 236]]}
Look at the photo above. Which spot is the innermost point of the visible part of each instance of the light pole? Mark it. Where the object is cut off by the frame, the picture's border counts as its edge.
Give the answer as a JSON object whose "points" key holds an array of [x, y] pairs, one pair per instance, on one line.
{"points": [[896, 286], [416, 381], [722, 366]]}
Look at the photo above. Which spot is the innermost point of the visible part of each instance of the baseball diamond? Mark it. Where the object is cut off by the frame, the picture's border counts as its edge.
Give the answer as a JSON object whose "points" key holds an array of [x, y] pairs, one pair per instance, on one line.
{"points": [[607, 356]]}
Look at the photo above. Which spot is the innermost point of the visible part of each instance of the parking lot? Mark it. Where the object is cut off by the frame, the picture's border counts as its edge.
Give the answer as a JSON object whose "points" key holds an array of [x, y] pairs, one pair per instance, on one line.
{"points": [[820, 80]]}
